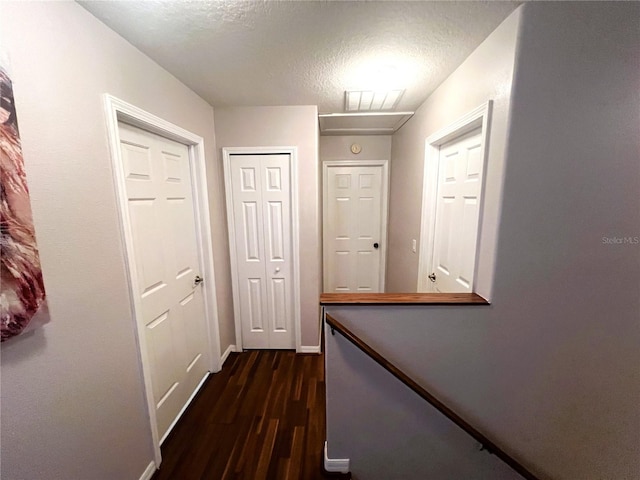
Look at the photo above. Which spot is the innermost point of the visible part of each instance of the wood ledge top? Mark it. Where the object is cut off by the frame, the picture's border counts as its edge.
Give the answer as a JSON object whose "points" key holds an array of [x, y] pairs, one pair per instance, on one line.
{"points": [[402, 299]]}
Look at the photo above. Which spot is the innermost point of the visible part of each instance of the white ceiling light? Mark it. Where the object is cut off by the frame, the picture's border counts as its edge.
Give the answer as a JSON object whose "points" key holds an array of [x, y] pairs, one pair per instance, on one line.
{"points": [[370, 100]]}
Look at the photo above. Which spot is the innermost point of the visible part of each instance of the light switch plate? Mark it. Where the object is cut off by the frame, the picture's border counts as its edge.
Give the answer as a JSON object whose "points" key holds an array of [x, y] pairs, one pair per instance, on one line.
{"points": [[413, 245]]}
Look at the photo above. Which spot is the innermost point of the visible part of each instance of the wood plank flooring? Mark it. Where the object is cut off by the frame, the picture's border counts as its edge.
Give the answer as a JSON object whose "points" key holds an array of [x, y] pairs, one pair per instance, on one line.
{"points": [[261, 418], [402, 299]]}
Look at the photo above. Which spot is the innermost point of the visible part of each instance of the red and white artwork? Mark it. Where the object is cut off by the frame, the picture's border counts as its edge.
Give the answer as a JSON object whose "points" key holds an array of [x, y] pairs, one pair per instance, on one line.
{"points": [[22, 296]]}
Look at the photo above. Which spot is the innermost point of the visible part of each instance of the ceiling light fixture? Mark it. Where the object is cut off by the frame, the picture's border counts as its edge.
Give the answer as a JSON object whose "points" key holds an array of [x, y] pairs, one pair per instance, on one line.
{"points": [[371, 100]]}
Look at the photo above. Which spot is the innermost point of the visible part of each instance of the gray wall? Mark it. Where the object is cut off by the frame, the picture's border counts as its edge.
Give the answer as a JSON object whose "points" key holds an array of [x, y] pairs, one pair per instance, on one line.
{"points": [[550, 369], [338, 147], [485, 75], [394, 434], [287, 126], [72, 393]]}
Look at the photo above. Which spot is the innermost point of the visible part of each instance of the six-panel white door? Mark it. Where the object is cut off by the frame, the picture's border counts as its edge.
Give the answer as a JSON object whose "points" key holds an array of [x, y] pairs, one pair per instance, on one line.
{"points": [[261, 197], [354, 228], [170, 304], [460, 173]]}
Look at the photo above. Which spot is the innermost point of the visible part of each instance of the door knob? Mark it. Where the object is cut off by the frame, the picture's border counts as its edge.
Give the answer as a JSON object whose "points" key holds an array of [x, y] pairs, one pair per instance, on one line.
{"points": [[277, 269], [375, 245], [432, 277], [198, 280]]}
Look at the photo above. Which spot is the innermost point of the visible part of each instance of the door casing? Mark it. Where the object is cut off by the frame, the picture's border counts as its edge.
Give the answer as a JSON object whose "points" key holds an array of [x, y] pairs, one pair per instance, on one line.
{"points": [[116, 111], [227, 153], [478, 117], [384, 211]]}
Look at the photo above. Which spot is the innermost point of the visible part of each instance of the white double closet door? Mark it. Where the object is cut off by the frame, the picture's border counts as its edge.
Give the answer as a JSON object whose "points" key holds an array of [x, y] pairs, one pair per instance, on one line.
{"points": [[161, 232], [261, 211]]}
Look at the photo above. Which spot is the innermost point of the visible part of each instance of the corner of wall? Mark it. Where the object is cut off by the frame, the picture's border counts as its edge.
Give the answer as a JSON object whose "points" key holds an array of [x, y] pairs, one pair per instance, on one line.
{"points": [[335, 465]]}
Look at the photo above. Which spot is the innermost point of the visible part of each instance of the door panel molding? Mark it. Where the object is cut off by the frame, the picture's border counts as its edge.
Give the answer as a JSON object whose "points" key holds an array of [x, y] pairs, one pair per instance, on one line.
{"points": [[480, 117], [384, 213], [117, 111], [292, 152]]}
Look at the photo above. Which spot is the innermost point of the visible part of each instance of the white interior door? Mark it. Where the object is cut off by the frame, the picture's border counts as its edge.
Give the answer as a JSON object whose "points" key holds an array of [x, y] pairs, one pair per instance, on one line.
{"points": [[354, 227], [157, 176], [457, 213], [261, 197]]}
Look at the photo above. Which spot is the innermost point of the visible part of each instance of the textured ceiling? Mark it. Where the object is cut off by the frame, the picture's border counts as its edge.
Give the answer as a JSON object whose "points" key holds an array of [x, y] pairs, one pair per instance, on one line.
{"points": [[304, 53]]}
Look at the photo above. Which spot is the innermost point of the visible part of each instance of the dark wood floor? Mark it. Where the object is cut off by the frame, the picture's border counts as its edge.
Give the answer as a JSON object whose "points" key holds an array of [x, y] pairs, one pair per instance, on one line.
{"points": [[261, 417]]}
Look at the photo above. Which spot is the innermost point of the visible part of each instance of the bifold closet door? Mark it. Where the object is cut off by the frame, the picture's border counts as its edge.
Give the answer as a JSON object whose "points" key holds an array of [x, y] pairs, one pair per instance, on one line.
{"points": [[261, 196]]}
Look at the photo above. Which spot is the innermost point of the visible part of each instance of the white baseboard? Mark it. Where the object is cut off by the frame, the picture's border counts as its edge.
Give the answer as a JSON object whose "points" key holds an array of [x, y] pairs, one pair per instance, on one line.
{"points": [[149, 471], [225, 355], [335, 465], [309, 349]]}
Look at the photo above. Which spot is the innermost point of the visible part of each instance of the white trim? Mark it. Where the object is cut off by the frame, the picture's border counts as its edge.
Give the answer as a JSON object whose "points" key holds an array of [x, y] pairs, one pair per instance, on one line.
{"points": [[227, 352], [148, 472], [362, 123], [478, 117], [384, 212], [184, 409], [117, 111], [295, 233], [335, 465], [309, 349]]}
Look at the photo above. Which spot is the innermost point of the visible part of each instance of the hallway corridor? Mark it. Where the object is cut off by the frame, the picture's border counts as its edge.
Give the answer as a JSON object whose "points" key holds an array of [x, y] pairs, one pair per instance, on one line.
{"points": [[261, 417]]}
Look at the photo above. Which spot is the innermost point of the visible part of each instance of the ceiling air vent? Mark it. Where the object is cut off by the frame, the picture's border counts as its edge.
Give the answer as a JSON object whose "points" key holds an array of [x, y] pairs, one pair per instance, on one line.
{"points": [[371, 101]]}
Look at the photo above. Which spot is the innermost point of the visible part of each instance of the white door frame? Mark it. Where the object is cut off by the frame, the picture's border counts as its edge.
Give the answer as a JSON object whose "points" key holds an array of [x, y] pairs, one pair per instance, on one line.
{"points": [[227, 152], [478, 117], [117, 111], [384, 211]]}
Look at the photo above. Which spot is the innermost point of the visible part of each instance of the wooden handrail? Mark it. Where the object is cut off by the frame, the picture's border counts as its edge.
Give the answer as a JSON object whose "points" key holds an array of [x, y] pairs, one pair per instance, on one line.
{"points": [[440, 406]]}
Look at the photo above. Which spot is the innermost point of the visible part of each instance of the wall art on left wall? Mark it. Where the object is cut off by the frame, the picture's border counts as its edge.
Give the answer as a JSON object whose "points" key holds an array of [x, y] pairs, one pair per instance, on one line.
{"points": [[23, 305]]}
